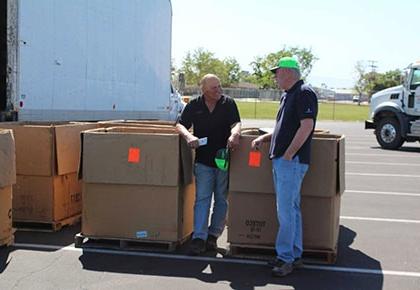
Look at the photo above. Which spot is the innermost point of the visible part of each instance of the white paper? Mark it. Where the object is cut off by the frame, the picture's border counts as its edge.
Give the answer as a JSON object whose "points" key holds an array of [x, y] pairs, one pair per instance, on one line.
{"points": [[202, 141]]}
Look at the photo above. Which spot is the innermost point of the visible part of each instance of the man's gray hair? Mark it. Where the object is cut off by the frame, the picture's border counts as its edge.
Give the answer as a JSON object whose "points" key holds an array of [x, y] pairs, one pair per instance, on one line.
{"points": [[296, 72], [206, 78]]}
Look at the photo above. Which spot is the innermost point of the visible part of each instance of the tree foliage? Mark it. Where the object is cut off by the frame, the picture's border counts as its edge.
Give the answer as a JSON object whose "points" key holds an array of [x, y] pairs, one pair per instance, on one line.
{"points": [[200, 62], [371, 82], [263, 77]]}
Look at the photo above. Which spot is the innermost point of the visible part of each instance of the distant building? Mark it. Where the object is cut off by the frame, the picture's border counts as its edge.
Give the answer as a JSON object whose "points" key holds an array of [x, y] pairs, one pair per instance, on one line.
{"points": [[339, 94]]}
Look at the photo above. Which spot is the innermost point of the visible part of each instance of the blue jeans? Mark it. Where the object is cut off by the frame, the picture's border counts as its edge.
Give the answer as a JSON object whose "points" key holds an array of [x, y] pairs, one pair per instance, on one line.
{"points": [[288, 177], [209, 180]]}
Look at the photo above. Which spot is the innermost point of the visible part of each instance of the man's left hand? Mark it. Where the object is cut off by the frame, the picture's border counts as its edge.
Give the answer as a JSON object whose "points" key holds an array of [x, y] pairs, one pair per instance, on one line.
{"points": [[233, 141], [287, 156]]}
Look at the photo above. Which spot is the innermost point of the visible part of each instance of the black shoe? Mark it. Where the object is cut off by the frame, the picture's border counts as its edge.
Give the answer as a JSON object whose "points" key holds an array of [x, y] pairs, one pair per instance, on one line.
{"points": [[211, 244], [273, 262], [297, 263], [197, 247], [282, 269]]}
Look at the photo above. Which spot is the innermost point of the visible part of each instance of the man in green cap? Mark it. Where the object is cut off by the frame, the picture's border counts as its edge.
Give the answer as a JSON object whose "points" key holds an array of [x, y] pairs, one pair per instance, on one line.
{"points": [[290, 154]]}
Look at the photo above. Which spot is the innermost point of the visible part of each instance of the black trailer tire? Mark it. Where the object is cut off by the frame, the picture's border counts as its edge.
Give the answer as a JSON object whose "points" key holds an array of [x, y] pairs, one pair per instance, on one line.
{"points": [[388, 133]]}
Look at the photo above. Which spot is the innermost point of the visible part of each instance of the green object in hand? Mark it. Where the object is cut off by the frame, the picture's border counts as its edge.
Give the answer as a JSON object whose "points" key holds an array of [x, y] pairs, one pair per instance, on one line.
{"points": [[222, 159]]}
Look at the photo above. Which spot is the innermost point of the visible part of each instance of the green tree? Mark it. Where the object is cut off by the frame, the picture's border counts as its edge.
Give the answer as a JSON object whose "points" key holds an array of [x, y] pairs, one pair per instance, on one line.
{"points": [[263, 77], [200, 62], [360, 85], [371, 82]]}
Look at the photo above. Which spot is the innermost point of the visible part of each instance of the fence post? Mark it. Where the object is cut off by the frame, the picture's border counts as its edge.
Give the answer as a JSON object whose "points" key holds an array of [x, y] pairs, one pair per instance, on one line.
{"points": [[255, 108]]}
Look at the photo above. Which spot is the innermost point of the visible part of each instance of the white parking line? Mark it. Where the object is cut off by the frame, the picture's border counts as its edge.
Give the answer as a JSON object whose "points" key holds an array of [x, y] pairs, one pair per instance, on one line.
{"points": [[411, 156], [361, 142], [359, 147], [217, 259], [382, 163], [380, 219], [383, 174], [364, 271], [384, 193]]}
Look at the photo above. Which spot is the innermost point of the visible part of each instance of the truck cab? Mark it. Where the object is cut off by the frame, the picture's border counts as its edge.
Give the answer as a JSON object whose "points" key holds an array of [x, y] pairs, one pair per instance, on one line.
{"points": [[395, 112]]}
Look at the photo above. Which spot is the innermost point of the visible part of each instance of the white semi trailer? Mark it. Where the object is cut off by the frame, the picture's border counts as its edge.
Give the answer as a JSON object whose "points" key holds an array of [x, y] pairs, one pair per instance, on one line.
{"points": [[86, 60]]}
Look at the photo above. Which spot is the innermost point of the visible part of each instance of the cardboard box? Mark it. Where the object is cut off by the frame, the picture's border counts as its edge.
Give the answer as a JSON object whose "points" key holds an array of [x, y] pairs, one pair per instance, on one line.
{"points": [[47, 149], [325, 177], [252, 207], [321, 222], [7, 158], [7, 178], [5, 215], [137, 184], [161, 213], [253, 220], [326, 174], [246, 178], [134, 123], [46, 198]]}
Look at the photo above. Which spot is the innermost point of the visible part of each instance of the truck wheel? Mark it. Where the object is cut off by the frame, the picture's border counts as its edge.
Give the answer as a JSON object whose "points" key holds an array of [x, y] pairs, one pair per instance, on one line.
{"points": [[388, 133]]}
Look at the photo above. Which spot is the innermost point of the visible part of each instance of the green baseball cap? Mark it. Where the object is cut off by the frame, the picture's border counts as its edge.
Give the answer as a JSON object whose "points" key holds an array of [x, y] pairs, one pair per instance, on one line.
{"points": [[286, 62]]}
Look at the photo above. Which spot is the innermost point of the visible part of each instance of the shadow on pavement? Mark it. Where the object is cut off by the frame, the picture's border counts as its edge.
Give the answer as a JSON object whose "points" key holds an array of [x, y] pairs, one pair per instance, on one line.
{"points": [[245, 276], [64, 237], [5, 258], [239, 276], [405, 148]]}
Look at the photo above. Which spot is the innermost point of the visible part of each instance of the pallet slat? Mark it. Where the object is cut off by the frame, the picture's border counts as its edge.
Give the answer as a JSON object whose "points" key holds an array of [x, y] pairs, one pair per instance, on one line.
{"points": [[261, 252], [82, 241], [54, 226]]}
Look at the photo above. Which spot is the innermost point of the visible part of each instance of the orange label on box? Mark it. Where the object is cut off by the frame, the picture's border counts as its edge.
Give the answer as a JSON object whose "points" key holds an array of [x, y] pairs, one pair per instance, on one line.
{"points": [[254, 159], [134, 155]]}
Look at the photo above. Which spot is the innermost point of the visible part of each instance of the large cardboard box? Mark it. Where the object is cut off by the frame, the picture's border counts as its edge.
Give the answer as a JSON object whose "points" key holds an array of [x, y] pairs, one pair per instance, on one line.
{"points": [[47, 161], [326, 174], [7, 178], [137, 184], [253, 220], [252, 212], [7, 158], [325, 177], [46, 199], [138, 123], [321, 222], [161, 213], [6, 232], [47, 149]]}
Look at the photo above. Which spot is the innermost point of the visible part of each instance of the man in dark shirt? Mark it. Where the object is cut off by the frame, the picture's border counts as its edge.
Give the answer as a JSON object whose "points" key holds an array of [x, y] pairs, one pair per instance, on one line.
{"points": [[290, 153], [216, 124]]}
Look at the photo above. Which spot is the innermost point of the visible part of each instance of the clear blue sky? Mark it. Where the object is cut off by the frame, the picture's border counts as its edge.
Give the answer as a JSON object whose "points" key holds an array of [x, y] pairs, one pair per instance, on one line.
{"points": [[340, 33]]}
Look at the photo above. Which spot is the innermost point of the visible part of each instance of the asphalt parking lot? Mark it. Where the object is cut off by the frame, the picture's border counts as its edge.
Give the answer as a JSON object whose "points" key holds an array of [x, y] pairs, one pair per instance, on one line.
{"points": [[379, 243]]}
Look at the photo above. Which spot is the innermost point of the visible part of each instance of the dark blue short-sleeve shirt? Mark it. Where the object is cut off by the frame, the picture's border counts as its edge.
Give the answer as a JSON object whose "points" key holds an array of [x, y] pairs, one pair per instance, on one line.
{"points": [[298, 103]]}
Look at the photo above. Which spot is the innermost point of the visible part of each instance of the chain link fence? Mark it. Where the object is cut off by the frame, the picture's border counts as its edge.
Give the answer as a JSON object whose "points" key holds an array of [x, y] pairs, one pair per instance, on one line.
{"points": [[240, 93]]}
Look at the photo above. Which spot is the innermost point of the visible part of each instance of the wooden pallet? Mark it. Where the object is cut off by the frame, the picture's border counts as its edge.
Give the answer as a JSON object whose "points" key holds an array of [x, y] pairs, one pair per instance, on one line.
{"points": [[54, 226], [82, 241], [320, 256], [261, 252]]}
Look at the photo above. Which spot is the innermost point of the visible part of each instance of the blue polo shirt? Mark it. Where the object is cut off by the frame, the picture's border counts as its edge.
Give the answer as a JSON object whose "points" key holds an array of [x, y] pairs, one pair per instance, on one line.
{"points": [[298, 103]]}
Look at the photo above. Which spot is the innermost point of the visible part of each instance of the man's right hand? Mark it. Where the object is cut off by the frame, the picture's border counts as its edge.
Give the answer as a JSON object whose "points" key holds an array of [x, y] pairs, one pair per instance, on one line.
{"points": [[192, 141]]}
